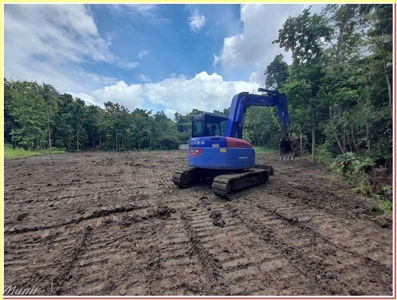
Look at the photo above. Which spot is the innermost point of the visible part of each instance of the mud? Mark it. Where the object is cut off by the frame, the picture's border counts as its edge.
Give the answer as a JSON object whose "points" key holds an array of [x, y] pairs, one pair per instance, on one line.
{"points": [[114, 224]]}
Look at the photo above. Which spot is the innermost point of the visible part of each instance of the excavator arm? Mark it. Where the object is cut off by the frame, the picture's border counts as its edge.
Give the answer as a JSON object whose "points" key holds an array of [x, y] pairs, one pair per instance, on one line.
{"points": [[269, 98]]}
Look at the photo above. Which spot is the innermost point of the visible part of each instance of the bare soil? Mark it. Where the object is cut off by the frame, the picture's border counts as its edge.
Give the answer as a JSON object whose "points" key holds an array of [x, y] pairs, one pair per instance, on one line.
{"points": [[114, 224]]}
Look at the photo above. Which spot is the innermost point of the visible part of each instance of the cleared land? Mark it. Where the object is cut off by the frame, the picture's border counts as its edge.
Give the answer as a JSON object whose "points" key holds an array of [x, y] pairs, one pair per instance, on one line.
{"points": [[114, 224]]}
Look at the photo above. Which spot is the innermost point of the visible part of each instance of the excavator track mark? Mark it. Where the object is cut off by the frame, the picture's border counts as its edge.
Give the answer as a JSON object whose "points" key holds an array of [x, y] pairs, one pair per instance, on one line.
{"points": [[225, 184]]}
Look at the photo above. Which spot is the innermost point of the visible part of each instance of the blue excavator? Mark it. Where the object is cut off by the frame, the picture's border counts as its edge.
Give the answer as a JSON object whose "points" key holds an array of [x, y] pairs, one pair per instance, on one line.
{"points": [[218, 153]]}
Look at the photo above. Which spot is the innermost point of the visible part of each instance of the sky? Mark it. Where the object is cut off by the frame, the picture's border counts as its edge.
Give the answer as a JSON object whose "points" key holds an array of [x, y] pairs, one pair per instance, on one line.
{"points": [[169, 57]]}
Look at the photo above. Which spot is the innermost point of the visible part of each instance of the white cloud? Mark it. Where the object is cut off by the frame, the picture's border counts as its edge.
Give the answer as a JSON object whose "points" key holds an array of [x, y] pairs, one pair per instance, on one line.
{"points": [[87, 98], [203, 91], [145, 12], [127, 65], [253, 47], [143, 53], [170, 113], [130, 96], [46, 43], [53, 32], [143, 78], [196, 21]]}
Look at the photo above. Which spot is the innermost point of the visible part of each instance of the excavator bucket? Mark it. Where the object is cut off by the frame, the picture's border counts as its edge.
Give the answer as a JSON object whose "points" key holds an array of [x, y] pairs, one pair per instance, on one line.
{"points": [[289, 148]]}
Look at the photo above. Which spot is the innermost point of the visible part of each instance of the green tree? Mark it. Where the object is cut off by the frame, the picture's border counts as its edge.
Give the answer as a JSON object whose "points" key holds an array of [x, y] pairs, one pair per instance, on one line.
{"points": [[49, 95], [306, 36], [276, 72], [76, 117], [26, 107]]}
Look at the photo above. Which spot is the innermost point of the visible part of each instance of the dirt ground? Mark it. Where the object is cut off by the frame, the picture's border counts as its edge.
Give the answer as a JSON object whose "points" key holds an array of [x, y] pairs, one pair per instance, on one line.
{"points": [[114, 224]]}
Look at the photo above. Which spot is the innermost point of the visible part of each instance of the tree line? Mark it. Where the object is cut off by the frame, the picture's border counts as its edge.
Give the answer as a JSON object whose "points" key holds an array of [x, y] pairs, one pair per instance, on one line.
{"points": [[339, 88], [339, 84], [38, 117]]}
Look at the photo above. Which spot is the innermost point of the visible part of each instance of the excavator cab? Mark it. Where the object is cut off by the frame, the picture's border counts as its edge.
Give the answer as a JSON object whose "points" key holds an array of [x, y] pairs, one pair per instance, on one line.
{"points": [[208, 124]]}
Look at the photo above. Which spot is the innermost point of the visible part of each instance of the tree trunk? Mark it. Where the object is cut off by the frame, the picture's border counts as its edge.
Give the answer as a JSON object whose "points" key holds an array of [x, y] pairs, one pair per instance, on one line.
{"points": [[313, 137], [353, 139], [301, 141], [94, 142], [77, 140], [333, 129], [368, 142], [49, 130], [388, 84], [344, 140]]}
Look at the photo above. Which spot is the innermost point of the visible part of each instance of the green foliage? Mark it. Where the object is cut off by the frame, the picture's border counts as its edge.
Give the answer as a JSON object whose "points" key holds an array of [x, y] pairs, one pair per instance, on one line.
{"points": [[349, 164], [276, 72], [386, 206], [353, 168], [263, 150], [261, 127], [324, 154], [339, 85], [37, 117], [10, 152]]}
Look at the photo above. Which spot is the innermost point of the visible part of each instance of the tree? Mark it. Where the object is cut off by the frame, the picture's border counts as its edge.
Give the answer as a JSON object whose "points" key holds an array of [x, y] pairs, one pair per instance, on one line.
{"points": [[27, 109], [76, 117], [49, 94], [305, 36], [276, 72]]}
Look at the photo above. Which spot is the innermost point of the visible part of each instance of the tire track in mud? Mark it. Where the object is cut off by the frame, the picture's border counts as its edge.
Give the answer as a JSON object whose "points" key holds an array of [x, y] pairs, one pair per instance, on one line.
{"points": [[64, 271], [304, 218], [333, 268], [361, 234], [211, 268], [169, 268], [245, 265], [96, 214], [173, 265], [375, 267], [111, 256], [322, 199], [146, 257], [43, 259], [107, 262]]}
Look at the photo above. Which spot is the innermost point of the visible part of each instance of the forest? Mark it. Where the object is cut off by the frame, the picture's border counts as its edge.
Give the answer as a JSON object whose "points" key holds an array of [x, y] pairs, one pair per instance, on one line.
{"points": [[339, 87]]}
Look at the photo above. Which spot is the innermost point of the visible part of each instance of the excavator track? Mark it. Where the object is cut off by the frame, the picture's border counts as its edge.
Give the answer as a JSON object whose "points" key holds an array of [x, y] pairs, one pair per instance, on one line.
{"points": [[224, 185], [186, 178]]}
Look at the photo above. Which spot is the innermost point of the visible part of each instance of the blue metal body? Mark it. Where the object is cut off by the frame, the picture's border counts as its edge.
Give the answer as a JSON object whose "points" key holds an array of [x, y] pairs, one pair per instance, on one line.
{"points": [[242, 101], [216, 141], [214, 153]]}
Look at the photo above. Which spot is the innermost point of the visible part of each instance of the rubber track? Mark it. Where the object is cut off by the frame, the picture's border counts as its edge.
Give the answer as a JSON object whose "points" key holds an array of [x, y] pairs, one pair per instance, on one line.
{"points": [[225, 184], [185, 178]]}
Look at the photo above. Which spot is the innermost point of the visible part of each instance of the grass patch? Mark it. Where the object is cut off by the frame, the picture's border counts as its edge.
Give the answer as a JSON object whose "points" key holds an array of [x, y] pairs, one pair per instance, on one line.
{"points": [[263, 150], [10, 152], [386, 207]]}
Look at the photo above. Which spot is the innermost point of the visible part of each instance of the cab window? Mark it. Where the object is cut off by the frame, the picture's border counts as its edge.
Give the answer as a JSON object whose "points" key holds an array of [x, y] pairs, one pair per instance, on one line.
{"points": [[197, 128]]}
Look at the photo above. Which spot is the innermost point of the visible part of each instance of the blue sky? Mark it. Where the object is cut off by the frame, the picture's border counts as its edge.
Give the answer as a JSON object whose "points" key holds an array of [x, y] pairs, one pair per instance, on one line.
{"points": [[160, 57]]}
